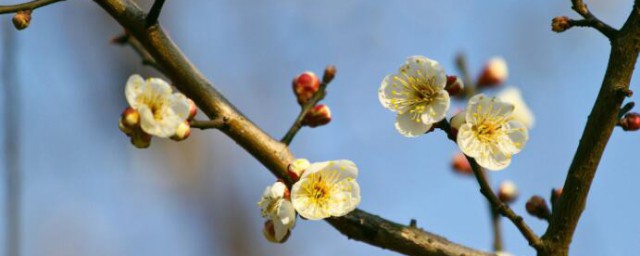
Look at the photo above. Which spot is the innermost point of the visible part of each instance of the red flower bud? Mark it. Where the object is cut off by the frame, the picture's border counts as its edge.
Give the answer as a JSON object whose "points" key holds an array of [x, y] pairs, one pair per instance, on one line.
{"points": [[317, 116], [494, 73], [560, 24], [461, 165], [537, 207], [454, 86], [130, 118], [305, 85], [182, 132], [507, 192], [193, 109], [630, 122]]}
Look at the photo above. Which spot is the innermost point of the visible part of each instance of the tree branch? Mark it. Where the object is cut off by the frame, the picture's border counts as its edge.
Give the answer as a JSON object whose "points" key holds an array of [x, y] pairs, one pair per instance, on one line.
{"points": [[154, 13], [147, 60], [591, 20], [600, 124], [274, 155], [26, 6]]}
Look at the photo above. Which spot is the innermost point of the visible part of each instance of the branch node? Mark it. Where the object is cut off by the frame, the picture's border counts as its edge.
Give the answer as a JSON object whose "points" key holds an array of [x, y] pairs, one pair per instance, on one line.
{"points": [[154, 13]]}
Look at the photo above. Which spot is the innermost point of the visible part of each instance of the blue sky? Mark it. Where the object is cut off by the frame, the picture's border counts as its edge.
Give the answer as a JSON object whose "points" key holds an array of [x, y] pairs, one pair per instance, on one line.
{"points": [[88, 192]]}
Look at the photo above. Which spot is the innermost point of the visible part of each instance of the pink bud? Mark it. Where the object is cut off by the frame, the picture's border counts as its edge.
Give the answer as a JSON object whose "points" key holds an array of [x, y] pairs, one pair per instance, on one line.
{"points": [[630, 122], [495, 72], [507, 192], [297, 167], [454, 86], [130, 118], [305, 85], [461, 165], [537, 207], [182, 132], [193, 109], [317, 116]]}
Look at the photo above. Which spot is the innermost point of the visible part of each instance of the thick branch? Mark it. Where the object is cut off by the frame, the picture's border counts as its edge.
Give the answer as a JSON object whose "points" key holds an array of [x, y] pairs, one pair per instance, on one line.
{"points": [[601, 122], [26, 6], [271, 153]]}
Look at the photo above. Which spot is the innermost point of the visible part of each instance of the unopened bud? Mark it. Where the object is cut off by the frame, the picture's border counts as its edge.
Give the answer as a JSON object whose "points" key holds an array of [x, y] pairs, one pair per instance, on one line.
{"points": [[130, 118], [297, 167], [269, 232], [126, 130], [560, 24], [494, 73], [317, 116], [461, 165], [630, 122], [193, 109], [182, 132], [454, 86], [555, 194], [456, 121], [305, 85], [507, 192], [140, 139], [22, 19], [537, 207], [329, 74]]}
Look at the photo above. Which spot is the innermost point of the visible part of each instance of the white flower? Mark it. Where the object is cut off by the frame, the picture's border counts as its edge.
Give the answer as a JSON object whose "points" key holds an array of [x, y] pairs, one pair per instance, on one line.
{"points": [[503, 253], [161, 111], [489, 134], [417, 94], [276, 207], [521, 112], [326, 189]]}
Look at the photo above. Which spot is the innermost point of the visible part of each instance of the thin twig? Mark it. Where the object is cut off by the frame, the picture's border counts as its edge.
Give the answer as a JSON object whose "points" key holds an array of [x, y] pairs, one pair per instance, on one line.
{"points": [[147, 59], [209, 124], [26, 6], [154, 13], [297, 124], [591, 20], [463, 67]]}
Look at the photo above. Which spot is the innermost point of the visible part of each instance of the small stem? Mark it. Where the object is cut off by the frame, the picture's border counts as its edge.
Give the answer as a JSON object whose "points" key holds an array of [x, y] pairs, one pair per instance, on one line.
{"points": [[154, 13], [147, 59], [497, 230], [209, 124], [26, 6], [317, 97], [625, 109], [463, 67]]}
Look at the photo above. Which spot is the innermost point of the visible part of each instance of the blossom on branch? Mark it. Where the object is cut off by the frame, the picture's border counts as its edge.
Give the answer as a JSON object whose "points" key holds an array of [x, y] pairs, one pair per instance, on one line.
{"points": [[417, 94], [326, 189], [161, 111], [276, 206], [490, 135], [521, 113]]}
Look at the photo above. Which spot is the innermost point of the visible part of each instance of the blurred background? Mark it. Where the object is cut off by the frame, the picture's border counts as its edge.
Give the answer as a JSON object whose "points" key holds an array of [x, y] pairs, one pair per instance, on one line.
{"points": [[86, 191]]}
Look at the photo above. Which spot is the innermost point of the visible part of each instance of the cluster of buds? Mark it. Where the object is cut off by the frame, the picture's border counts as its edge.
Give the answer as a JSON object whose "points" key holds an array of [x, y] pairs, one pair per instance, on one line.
{"points": [[560, 24], [630, 122], [494, 73], [537, 207], [22, 19], [460, 165], [307, 84], [507, 192], [130, 125]]}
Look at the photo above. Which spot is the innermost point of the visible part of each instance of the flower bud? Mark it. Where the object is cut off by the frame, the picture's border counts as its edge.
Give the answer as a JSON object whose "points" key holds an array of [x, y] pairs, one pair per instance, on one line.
{"points": [[454, 86], [140, 139], [297, 167], [555, 194], [193, 109], [182, 132], [461, 165], [269, 232], [537, 207], [317, 116], [507, 192], [125, 129], [305, 85], [630, 122], [22, 19], [560, 24], [495, 72], [130, 118], [458, 120], [329, 74]]}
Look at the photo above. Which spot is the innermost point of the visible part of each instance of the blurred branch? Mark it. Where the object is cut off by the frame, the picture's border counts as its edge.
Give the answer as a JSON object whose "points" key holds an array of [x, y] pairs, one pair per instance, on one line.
{"points": [[11, 142], [147, 60], [600, 125], [26, 6], [329, 73], [273, 154]]}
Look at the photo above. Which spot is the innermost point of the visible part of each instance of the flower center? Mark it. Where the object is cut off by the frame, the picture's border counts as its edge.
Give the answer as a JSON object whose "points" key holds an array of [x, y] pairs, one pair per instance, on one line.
{"points": [[156, 104], [318, 189], [486, 131]]}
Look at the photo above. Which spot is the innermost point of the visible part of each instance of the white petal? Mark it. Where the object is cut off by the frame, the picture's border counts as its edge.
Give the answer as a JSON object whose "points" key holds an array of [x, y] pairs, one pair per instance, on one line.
{"points": [[135, 86], [280, 230], [286, 214], [180, 105], [521, 112], [343, 168], [315, 167], [164, 128], [481, 105], [277, 190], [345, 197], [423, 66], [495, 160], [437, 110], [385, 93], [410, 127], [159, 86], [518, 136], [458, 120], [467, 142], [300, 201]]}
